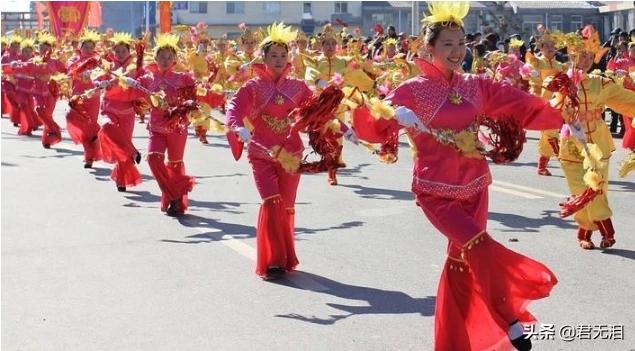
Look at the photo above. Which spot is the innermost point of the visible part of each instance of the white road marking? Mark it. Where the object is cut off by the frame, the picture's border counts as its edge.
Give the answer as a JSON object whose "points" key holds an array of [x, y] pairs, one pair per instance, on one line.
{"points": [[514, 192], [530, 189]]}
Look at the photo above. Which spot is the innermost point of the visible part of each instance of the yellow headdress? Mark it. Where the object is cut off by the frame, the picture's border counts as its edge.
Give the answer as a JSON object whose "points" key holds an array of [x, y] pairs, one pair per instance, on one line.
{"points": [[4, 40], [121, 38], [329, 33], [390, 41], [515, 43], [90, 35], [446, 12], [46, 38], [280, 34], [27, 43], [15, 39], [589, 42], [547, 35], [165, 41]]}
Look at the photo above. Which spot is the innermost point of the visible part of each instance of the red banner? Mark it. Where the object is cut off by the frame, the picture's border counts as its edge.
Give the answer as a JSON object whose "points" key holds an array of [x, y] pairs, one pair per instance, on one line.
{"points": [[67, 17], [165, 16]]}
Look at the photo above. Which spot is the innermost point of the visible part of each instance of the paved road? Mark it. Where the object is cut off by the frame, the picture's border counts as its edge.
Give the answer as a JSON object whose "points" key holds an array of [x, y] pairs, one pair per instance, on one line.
{"points": [[87, 268]]}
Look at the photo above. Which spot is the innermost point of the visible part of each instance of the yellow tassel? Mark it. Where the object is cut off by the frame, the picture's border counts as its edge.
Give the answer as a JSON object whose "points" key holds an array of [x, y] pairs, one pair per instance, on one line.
{"points": [[217, 88], [122, 82], [380, 109], [592, 158], [593, 180], [468, 143], [288, 161], [216, 126]]}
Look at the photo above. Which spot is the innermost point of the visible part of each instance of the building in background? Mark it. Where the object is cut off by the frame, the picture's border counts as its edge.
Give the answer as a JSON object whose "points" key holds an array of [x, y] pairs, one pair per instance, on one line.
{"points": [[223, 17], [618, 14]]}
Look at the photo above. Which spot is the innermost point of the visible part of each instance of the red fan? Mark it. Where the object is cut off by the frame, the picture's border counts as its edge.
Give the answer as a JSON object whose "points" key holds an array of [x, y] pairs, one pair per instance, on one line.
{"points": [[317, 110], [379, 29], [83, 66], [139, 50]]}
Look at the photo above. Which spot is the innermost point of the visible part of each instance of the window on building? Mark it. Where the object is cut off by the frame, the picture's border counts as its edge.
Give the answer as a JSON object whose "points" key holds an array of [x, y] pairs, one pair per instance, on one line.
{"points": [[576, 22], [530, 22], [198, 6], [341, 7], [235, 7], [555, 22], [307, 8], [271, 7], [381, 18]]}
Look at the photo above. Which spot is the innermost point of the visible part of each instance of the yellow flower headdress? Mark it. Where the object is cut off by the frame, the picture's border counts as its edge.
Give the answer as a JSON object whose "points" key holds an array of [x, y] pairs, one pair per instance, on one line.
{"points": [[390, 41], [547, 35], [165, 41], [446, 12], [329, 33], [27, 43], [121, 38], [15, 39], [46, 38], [4, 40], [280, 34], [90, 35], [515, 43]]}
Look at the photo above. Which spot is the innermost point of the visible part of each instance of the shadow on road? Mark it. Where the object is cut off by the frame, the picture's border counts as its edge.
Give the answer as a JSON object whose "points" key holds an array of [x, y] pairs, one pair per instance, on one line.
{"points": [[193, 221], [630, 254], [60, 153], [530, 225], [147, 197], [378, 301], [379, 193], [345, 225]]}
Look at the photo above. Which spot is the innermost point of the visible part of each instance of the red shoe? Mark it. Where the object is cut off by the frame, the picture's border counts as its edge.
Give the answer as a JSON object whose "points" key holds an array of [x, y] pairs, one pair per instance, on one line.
{"points": [[584, 239], [542, 166], [608, 233], [332, 177]]}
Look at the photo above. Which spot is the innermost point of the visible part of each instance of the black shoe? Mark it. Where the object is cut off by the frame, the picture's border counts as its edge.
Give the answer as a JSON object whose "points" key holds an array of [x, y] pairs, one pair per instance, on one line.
{"points": [[521, 342], [137, 158], [16, 125], [121, 189], [47, 146], [174, 209], [88, 164], [274, 273]]}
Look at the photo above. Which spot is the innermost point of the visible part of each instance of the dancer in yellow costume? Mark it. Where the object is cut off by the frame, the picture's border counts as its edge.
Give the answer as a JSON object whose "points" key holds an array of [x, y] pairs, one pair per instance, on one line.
{"points": [[545, 65], [586, 165]]}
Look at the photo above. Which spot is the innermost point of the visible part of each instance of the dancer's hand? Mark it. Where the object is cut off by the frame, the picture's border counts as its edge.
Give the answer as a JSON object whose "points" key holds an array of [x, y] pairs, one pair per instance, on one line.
{"points": [[243, 134], [578, 131], [321, 83], [350, 136], [407, 118]]}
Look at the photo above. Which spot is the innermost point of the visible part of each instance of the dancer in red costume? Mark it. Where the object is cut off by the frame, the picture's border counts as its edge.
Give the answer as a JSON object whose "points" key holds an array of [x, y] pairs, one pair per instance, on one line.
{"points": [[81, 119], [45, 90], [484, 288], [267, 101], [23, 71], [115, 136], [11, 54], [173, 93]]}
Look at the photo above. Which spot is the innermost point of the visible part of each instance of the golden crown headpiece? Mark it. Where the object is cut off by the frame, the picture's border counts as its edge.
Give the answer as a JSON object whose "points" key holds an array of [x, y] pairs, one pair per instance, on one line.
{"points": [[15, 39], [27, 43], [121, 38], [446, 12], [280, 34], [90, 35], [516, 43], [329, 33], [46, 38], [167, 41]]}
